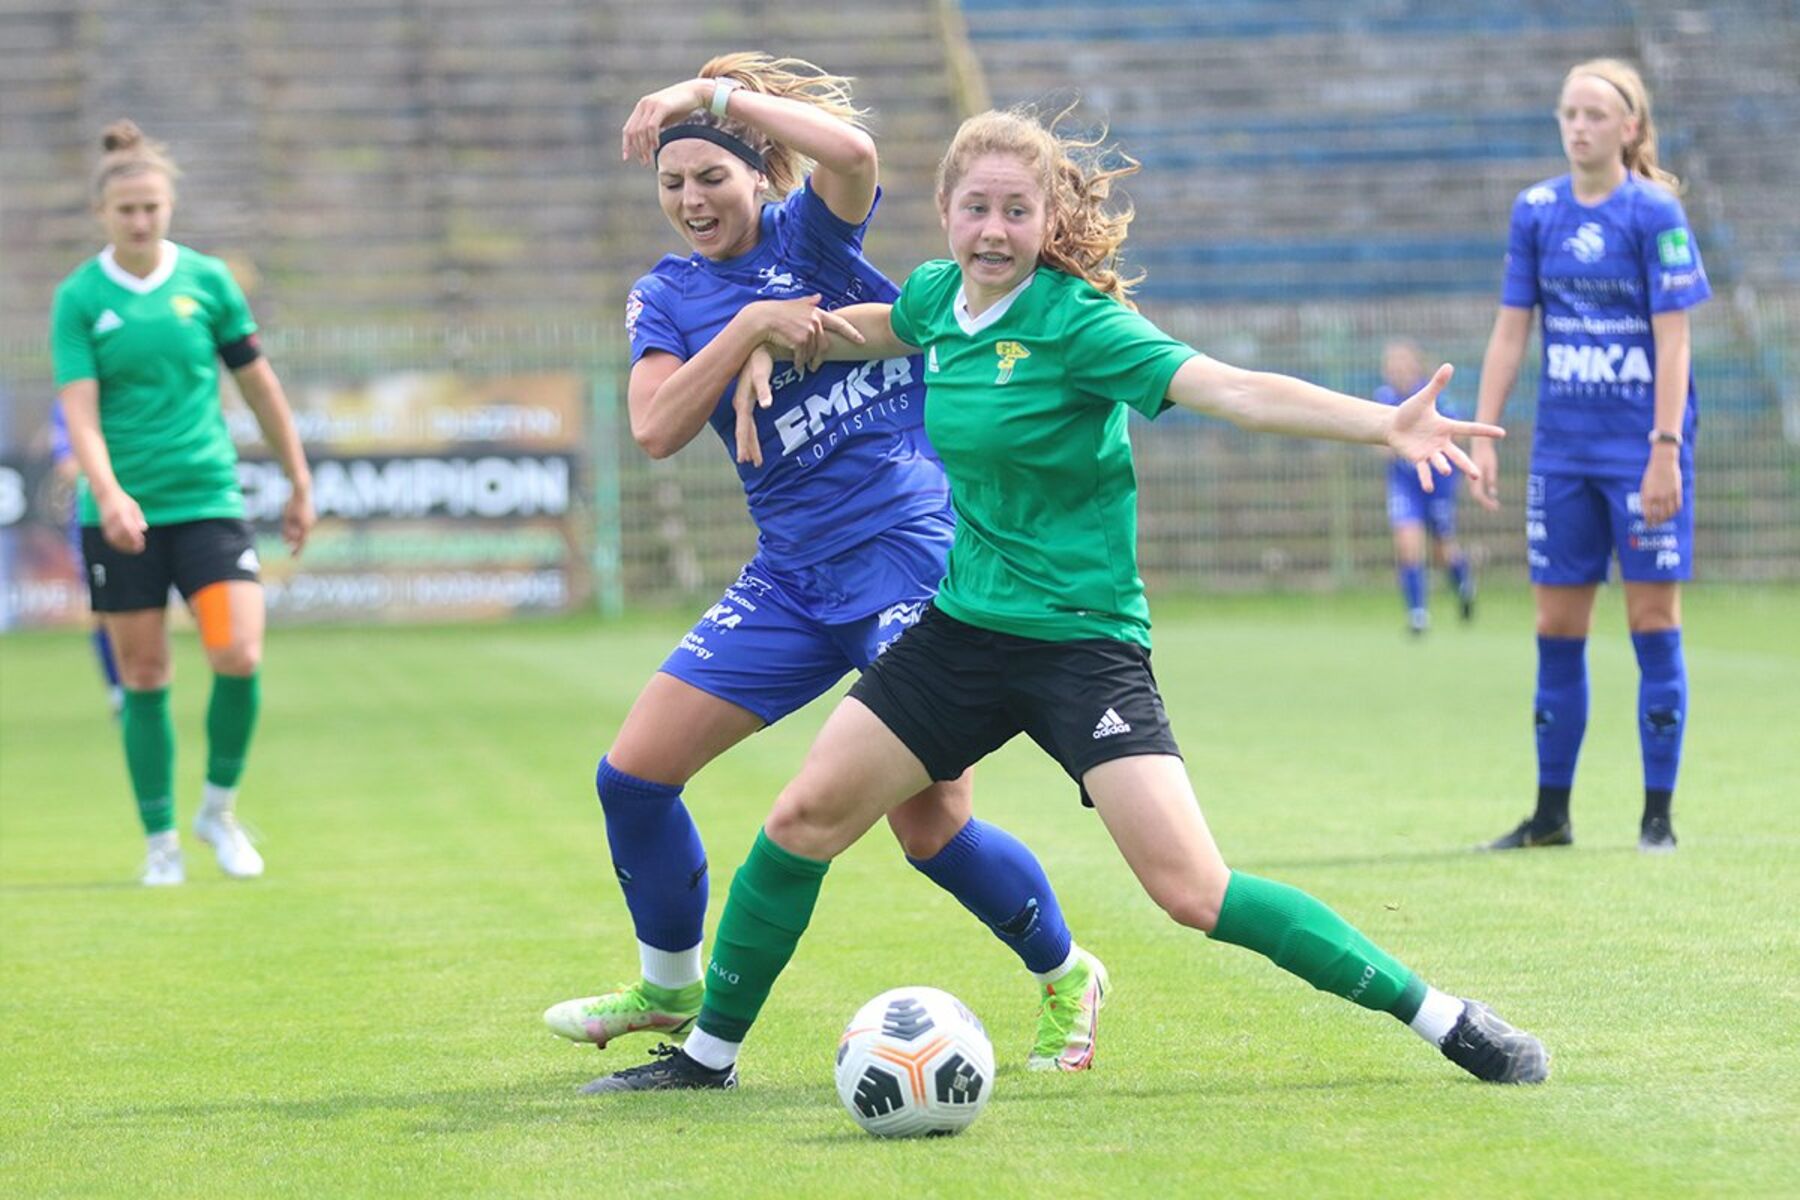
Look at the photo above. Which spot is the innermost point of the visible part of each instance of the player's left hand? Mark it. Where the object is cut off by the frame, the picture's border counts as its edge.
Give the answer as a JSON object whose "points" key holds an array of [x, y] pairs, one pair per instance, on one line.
{"points": [[753, 392], [1659, 492], [1425, 437], [656, 112], [297, 519]]}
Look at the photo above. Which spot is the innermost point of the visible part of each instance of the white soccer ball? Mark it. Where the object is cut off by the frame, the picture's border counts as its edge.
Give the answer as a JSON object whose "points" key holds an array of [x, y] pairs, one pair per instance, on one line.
{"points": [[914, 1062]]}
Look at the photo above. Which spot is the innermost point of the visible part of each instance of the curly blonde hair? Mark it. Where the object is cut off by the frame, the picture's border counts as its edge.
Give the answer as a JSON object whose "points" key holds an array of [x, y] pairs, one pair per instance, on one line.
{"points": [[1640, 152], [1082, 236], [125, 151], [791, 79]]}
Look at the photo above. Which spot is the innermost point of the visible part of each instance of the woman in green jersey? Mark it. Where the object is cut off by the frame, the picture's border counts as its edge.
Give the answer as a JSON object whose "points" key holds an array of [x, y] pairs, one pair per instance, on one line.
{"points": [[137, 333], [1033, 354]]}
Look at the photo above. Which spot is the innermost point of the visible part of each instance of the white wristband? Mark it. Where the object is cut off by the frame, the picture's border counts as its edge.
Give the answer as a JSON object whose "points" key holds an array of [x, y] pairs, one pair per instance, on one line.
{"points": [[721, 96]]}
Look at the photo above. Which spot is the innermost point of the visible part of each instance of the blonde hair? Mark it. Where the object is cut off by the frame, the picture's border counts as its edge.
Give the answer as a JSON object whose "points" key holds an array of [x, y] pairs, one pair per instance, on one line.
{"points": [[1640, 152], [125, 151], [1081, 236], [791, 79]]}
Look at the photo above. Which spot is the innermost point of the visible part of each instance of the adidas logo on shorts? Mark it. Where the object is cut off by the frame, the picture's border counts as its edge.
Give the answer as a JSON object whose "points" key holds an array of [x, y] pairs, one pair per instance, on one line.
{"points": [[1111, 723], [247, 561]]}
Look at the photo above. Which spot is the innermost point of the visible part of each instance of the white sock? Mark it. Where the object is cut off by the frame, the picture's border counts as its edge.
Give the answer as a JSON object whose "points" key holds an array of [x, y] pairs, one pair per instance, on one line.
{"points": [[709, 1051], [167, 840], [1045, 978], [215, 800], [1437, 1016], [671, 968]]}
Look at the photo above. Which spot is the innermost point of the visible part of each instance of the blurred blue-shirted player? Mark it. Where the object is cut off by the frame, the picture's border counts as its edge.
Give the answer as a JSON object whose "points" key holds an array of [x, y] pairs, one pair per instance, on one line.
{"points": [[852, 510], [1412, 511], [1607, 255], [62, 461]]}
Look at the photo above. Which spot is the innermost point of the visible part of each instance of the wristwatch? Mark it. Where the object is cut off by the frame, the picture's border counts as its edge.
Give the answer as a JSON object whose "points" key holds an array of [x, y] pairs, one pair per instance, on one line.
{"points": [[1663, 437]]}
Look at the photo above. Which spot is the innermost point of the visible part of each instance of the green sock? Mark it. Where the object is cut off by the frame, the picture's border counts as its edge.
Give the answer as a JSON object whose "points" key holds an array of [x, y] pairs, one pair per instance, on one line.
{"points": [[230, 720], [771, 901], [1303, 936], [150, 756]]}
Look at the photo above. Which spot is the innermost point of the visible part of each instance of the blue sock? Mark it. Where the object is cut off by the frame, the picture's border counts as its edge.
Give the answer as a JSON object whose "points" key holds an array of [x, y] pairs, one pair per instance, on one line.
{"points": [[1412, 586], [1562, 709], [1459, 576], [1662, 706], [995, 876], [657, 856], [109, 666]]}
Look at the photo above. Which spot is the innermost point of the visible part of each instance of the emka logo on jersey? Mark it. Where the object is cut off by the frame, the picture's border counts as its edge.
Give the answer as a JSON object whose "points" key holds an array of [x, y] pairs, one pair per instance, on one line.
{"points": [[1612, 363], [109, 321], [1009, 354], [1587, 243], [848, 402]]}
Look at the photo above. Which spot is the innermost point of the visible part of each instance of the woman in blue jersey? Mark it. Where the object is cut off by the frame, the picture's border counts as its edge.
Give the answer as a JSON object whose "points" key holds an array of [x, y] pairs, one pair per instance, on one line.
{"points": [[1412, 511], [1607, 255], [852, 512]]}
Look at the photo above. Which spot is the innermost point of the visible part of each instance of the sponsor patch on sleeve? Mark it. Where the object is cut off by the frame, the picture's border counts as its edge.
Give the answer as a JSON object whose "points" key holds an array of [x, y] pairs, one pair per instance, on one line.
{"points": [[1673, 248]]}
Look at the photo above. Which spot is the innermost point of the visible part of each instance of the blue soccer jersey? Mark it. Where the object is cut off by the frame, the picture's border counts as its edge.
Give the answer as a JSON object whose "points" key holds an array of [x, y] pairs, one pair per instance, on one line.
{"points": [[1600, 273], [844, 450], [1408, 501]]}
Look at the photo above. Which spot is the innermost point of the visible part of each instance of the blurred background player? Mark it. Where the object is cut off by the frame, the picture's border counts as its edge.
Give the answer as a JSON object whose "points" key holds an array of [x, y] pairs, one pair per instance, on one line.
{"points": [[853, 517], [1412, 511], [68, 471], [1606, 253], [1042, 626], [137, 333]]}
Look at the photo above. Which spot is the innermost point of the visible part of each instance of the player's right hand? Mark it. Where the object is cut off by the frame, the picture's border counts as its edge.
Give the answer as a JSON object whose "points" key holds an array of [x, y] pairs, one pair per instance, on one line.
{"points": [[803, 329], [753, 392], [1486, 487], [122, 523]]}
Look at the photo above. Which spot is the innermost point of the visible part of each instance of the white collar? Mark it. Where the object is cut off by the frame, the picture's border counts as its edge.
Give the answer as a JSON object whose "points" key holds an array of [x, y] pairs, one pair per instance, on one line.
{"points": [[973, 325], [165, 267]]}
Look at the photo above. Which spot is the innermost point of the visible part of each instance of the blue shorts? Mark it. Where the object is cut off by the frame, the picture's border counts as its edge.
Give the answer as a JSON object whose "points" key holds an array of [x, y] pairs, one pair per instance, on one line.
{"points": [[1411, 504], [1575, 523], [781, 637]]}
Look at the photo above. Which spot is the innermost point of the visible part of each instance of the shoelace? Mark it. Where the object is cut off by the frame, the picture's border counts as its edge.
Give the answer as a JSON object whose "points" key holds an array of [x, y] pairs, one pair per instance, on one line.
{"points": [[1060, 1008], [662, 1059]]}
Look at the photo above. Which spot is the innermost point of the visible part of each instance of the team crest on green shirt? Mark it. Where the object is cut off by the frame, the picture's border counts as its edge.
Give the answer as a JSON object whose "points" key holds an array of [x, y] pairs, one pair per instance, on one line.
{"points": [[1009, 354], [184, 306]]}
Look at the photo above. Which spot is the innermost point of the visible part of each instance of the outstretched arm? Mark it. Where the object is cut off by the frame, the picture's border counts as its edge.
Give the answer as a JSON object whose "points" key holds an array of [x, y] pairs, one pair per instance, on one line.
{"points": [[1269, 403]]}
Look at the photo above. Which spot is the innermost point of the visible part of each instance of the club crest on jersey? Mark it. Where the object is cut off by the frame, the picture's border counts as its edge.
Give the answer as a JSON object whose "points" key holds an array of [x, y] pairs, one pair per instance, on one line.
{"points": [[1587, 243], [184, 306], [1009, 354], [774, 280]]}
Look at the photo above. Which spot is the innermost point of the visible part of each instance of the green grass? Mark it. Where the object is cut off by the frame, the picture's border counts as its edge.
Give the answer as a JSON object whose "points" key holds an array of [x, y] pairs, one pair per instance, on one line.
{"points": [[364, 1021]]}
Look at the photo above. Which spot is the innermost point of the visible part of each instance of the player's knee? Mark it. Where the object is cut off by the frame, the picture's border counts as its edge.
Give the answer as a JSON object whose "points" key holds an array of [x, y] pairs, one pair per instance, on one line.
{"points": [[1190, 897], [922, 834], [806, 822], [237, 658]]}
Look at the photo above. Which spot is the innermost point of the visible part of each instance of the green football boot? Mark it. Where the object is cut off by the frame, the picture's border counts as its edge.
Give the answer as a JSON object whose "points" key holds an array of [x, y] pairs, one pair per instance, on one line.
{"points": [[1069, 1017], [632, 1008]]}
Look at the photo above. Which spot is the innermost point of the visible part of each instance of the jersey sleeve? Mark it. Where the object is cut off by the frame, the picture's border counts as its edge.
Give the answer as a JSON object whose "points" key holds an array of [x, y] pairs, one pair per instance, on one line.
{"points": [[650, 322], [1674, 275], [71, 339], [232, 322], [1519, 283], [910, 315], [1117, 355]]}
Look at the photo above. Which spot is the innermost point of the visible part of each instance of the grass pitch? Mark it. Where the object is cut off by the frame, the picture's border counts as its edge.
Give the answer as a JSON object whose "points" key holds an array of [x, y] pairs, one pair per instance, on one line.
{"points": [[364, 1021]]}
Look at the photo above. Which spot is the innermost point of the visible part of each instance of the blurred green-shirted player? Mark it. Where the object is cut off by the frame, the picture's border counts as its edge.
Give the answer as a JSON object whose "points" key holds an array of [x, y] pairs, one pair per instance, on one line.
{"points": [[137, 333]]}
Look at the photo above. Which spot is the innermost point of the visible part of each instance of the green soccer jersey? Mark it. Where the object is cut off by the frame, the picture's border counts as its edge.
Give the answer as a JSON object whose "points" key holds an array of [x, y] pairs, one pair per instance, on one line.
{"points": [[152, 345], [1025, 404]]}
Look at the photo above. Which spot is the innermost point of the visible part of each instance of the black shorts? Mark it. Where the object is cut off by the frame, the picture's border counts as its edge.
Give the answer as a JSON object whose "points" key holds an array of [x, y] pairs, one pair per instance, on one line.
{"points": [[953, 693], [187, 555]]}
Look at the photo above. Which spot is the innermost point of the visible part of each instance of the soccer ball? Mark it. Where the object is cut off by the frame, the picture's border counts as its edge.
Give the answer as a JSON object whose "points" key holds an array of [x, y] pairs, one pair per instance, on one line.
{"points": [[914, 1062]]}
